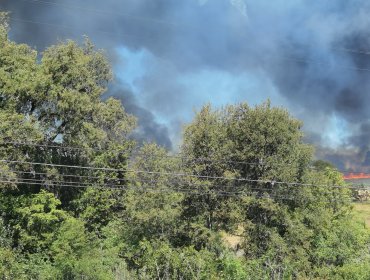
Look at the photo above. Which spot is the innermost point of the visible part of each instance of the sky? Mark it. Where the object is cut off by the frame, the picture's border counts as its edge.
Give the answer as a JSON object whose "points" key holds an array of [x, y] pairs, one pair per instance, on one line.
{"points": [[170, 57]]}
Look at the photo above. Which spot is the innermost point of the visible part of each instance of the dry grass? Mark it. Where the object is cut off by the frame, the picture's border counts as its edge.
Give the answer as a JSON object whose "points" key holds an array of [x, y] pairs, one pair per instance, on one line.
{"points": [[232, 240], [362, 211]]}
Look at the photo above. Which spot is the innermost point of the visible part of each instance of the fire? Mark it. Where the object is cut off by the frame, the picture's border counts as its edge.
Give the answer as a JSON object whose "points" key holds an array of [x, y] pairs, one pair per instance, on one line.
{"points": [[351, 176]]}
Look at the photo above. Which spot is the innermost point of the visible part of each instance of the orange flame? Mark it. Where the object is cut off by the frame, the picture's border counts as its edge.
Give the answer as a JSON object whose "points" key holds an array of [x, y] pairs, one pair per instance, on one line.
{"points": [[351, 176]]}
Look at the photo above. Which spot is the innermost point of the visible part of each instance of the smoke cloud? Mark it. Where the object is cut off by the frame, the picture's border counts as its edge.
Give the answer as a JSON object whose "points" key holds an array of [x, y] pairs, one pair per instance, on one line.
{"points": [[311, 56]]}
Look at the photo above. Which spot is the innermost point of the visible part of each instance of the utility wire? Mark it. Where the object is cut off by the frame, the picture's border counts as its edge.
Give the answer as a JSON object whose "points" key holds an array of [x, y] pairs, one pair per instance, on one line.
{"points": [[169, 183], [107, 186], [138, 153], [155, 189], [170, 174], [125, 187], [63, 175], [144, 171], [201, 159]]}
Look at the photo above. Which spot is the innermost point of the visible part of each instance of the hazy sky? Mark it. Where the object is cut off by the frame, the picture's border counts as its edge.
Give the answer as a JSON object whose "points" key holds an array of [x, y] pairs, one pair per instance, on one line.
{"points": [[171, 57]]}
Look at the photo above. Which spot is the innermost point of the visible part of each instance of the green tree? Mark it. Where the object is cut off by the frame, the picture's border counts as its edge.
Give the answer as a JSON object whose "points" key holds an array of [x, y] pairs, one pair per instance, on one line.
{"points": [[284, 223], [35, 221], [58, 101], [260, 143], [151, 203]]}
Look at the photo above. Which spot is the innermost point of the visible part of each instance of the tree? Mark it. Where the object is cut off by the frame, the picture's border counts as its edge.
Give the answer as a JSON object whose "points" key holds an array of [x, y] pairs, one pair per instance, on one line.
{"points": [[281, 220], [150, 209], [58, 101], [53, 103], [35, 220], [79, 200], [260, 143]]}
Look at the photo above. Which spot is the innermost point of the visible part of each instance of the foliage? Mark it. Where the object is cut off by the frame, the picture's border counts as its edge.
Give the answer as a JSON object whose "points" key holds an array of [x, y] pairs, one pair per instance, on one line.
{"points": [[140, 212]]}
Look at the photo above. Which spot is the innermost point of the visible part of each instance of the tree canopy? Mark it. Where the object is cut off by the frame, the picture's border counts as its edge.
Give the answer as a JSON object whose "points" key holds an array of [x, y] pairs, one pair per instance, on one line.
{"points": [[80, 199]]}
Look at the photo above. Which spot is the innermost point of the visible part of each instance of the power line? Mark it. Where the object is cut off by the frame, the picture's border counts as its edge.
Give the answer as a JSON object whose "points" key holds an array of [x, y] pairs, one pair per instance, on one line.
{"points": [[266, 181], [178, 190], [63, 175], [180, 157], [125, 187], [51, 181], [65, 166], [141, 171], [132, 180], [138, 153], [169, 183]]}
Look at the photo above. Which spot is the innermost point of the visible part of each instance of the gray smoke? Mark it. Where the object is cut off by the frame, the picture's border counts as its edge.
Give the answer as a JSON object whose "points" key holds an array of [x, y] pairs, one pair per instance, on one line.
{"points": [[148, 130], [314, 54]]}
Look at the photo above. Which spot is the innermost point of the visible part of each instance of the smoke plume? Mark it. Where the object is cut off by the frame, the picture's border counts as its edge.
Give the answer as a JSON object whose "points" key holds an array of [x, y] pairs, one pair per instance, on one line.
{"points": [[311, 56]]}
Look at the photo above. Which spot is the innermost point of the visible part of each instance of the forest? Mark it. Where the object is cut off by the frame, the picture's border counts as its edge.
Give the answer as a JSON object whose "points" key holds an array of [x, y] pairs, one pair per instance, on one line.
{"points": [[242, 198]]}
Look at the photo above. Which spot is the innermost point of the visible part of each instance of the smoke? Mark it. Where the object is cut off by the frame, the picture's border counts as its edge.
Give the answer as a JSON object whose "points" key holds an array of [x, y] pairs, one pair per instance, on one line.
{"points": [[148, 129], [312, 54]]}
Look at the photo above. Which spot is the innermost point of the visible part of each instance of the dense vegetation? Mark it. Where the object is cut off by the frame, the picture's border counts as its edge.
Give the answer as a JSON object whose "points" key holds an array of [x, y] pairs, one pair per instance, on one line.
{"points": [[140, 213]]}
